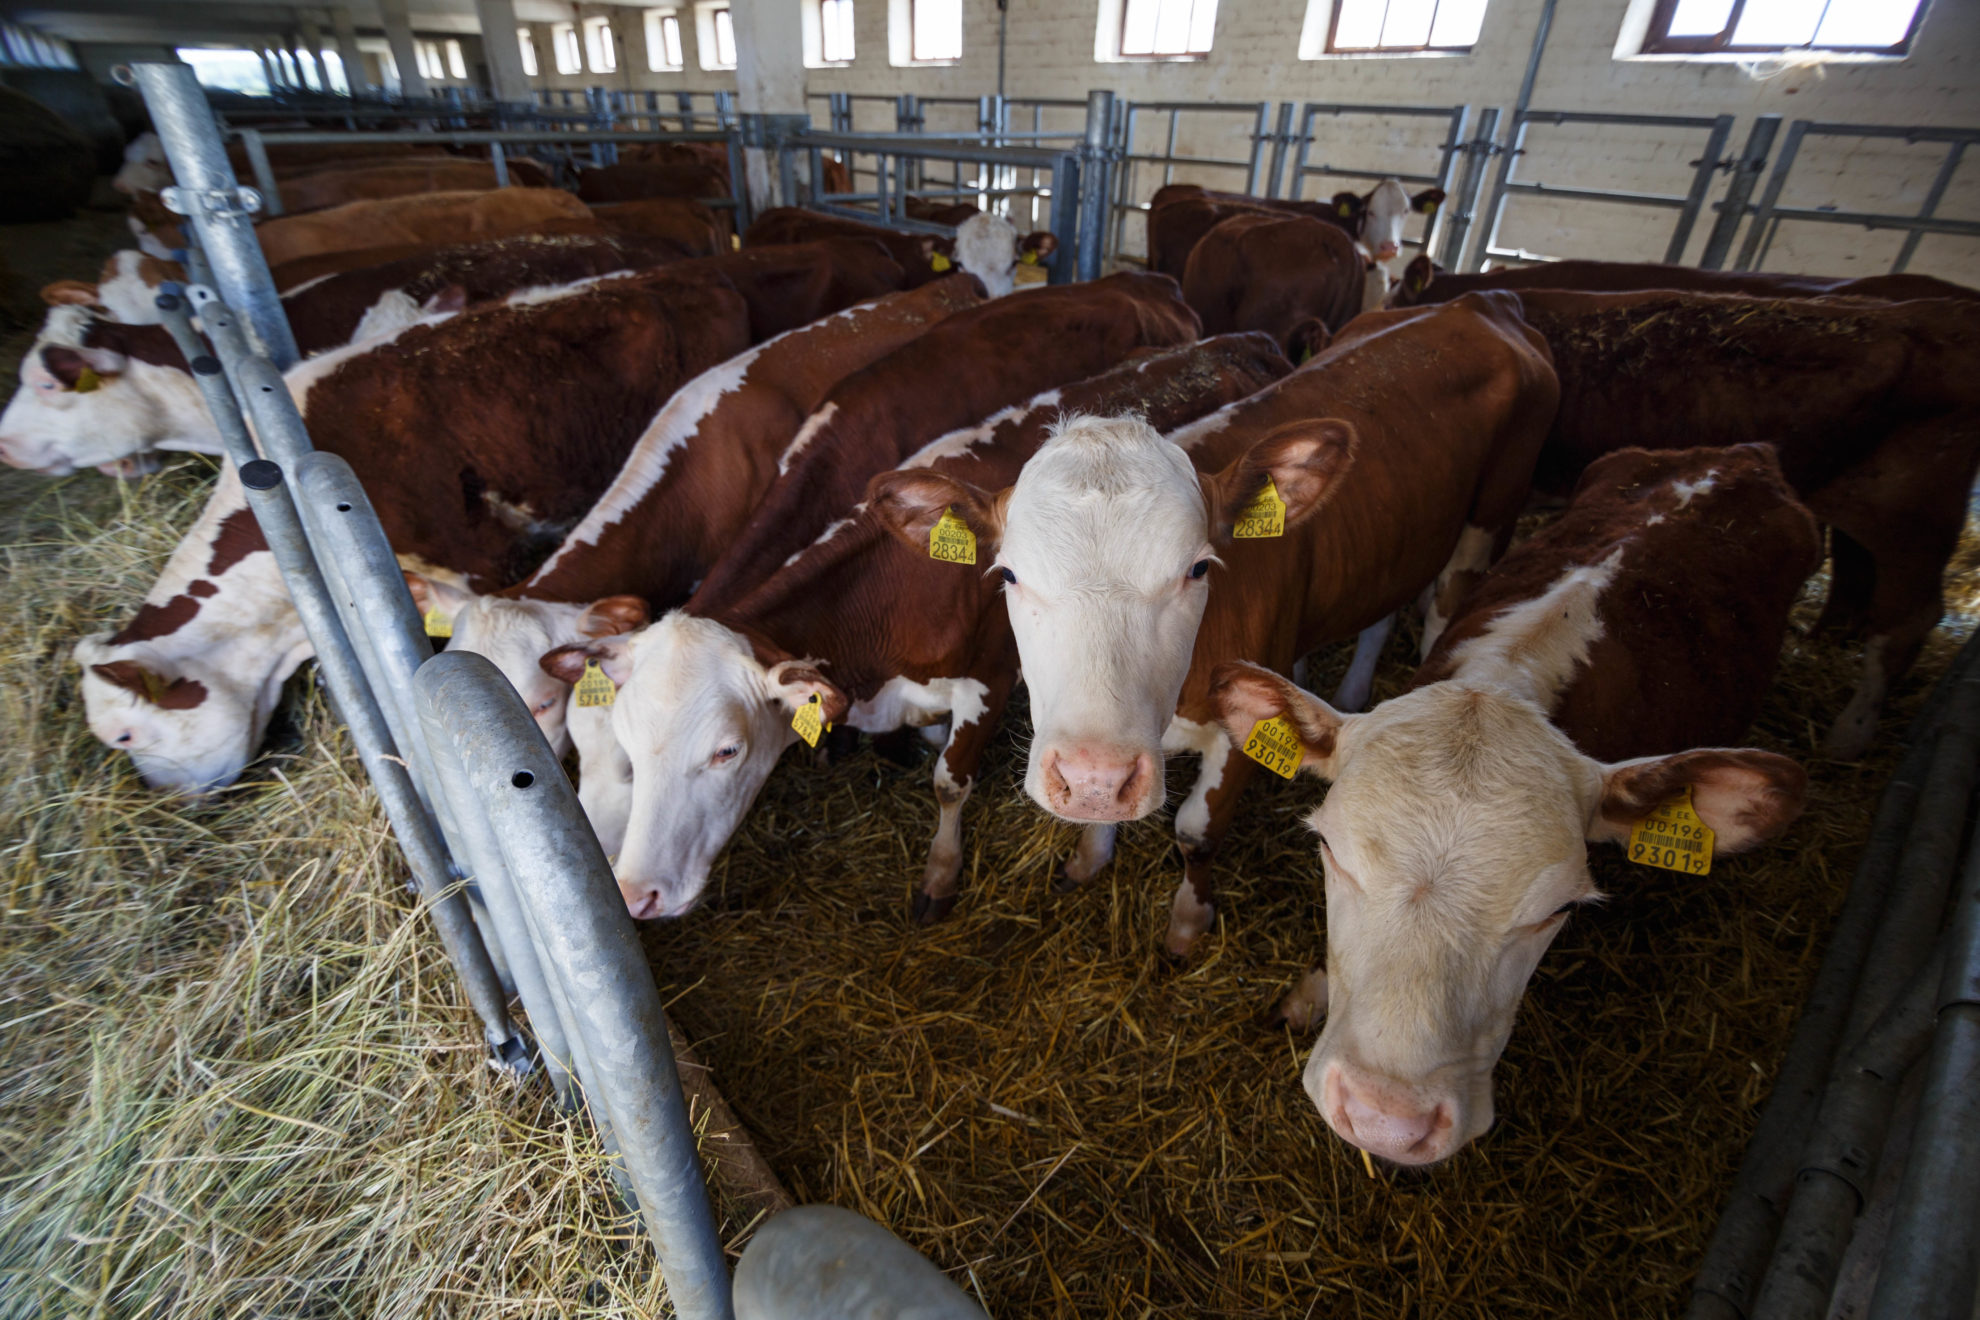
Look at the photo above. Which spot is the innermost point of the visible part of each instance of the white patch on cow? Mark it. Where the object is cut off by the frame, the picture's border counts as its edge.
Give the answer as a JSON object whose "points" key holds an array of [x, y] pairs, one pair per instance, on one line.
{"points": [[1387, 214], [1687, 491], [393, 312], [832, 529], [605, 774], [1472, 556], [813, 424], [144, 168], [987, 247], [543, 293], [1653, 520], [1191, 435], [959, 442], [513, 635], [903, 703], [309, 284], [125, 295], [1207, 741], [148, 243], [1535, 648], [303, 377]]}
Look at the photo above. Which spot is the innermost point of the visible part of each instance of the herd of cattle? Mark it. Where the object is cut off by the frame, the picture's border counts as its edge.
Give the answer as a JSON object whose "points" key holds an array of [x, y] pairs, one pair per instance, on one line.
{"points": [[700, 503]]}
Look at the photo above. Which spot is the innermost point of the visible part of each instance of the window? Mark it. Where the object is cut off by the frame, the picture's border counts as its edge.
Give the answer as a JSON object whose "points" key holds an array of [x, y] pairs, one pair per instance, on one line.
{"points": [[426, 54], [564, 43], [835, 31], [598, 45], [528, 45], [1691, 27], [456, 64], [937, 30], [1365, 26], [1167, 29], [715, 32], [663, 41]]}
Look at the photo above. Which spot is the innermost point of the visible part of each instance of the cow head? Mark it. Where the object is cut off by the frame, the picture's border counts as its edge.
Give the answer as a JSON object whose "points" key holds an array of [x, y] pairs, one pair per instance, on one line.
{"points": [[1105, 545], [701, 722], [1377, 219], [89, 407], [1454, 842], [987, 247], [514, 635], [145, 168]]}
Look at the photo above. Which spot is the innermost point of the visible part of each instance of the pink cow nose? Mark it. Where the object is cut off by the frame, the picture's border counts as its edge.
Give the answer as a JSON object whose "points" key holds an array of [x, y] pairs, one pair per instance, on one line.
{"points": [[1095, 783], [649, 903], [1387, 252], [1385, 1118]]}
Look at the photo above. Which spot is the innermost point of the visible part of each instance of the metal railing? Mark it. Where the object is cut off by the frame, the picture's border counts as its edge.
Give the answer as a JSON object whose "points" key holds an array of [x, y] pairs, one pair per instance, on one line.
{"points": [[1129, 152], [1450, 152]]}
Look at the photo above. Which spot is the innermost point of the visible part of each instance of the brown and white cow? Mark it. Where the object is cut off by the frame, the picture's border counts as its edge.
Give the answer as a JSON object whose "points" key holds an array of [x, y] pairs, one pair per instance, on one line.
{"points": [[1423, 282], [883, 634], [445, 217], [1291, 276], [1180, 214], [366, 181], [1396, 462], [472, 466], [1597, 673], [145, 168], [987, 246], [684, 494]]}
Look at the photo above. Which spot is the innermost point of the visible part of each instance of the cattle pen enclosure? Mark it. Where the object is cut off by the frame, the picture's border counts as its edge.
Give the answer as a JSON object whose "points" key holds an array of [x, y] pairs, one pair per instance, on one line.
{"points": [[238, 1079]]}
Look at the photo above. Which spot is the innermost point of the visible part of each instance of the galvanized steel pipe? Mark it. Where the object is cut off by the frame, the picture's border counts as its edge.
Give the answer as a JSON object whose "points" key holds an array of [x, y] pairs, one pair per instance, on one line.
{"points": [[821, 1261]]}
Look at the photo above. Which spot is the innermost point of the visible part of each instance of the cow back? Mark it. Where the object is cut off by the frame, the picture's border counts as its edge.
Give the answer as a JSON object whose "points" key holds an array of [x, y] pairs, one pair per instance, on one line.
{"points": [[453, 217], [631, 180], [1277, 273], [1423, 284]]}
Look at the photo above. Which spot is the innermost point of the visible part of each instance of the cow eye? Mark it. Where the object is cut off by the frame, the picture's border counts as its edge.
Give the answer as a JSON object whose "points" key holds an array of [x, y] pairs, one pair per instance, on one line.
{"points": [[1198, 569], [124, 738], [729, 753], [1009, 576]]}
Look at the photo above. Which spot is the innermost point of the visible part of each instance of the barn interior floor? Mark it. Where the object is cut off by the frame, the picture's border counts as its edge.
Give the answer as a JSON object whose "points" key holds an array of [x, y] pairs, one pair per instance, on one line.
{"points": [[236, 1077]]}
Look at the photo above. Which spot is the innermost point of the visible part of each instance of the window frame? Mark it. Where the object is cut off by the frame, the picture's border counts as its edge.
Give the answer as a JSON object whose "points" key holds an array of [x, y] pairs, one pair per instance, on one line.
{"points": [[655, 22], [456, 59], [1122, 53], [1657, 39], [526, 43], [428, 59], [601, 45], [558, 33], [1334, 23], [826, 55], [914, 33]]}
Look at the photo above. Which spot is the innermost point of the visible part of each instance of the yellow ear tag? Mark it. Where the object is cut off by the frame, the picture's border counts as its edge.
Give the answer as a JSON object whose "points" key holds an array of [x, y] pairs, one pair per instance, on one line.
{"points": [[735, 242], [438, 624], [595, 687], [810, 721], [1275, 744], [88, 380], [939, 262], [1673, 837], [1264, 517], [951, 541], [1030, 258], [1345, 209]]}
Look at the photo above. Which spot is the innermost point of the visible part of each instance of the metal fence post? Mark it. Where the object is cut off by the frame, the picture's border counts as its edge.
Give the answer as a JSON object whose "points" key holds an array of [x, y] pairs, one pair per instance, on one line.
{"points": [[264, 171], [1701, 183], [1281, 135], [1763, 214], [1930, 206], [1093, 183], [1464, 206], [582, 929], [820, 1260], [1739, 189]]}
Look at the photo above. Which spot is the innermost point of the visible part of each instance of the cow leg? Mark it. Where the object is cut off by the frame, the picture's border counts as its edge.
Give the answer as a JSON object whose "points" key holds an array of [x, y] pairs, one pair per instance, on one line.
{"points": [[1095, 850], [1468, 563], [1359, 681], [1304, 1005], [955, 775], [1852, 583], [1201, 822]]}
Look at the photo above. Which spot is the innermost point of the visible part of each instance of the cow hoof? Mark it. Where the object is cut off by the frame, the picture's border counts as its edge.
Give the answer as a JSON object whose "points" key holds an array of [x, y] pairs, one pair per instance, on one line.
{"points": [[927, 911]]}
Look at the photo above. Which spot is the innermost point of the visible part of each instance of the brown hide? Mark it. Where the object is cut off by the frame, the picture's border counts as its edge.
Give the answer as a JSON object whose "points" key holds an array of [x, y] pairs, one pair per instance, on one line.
{"points": [[994, 356], [792, 224], [292, 274], [1423, 284], [693, 228], [320, 189], [939, 213], [452, 217], [1278, 274], [1692, 621], [632, 180]]}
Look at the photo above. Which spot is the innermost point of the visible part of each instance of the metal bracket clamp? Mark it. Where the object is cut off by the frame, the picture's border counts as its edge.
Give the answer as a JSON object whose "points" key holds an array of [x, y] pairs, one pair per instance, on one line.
{"points": [[770, 131], [210, 201]]}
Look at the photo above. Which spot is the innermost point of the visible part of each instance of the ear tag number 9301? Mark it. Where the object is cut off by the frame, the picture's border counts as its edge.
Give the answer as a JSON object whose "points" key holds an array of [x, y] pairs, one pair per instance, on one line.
{"points": [[1674, 837], [810, 721], [1275, 744]]}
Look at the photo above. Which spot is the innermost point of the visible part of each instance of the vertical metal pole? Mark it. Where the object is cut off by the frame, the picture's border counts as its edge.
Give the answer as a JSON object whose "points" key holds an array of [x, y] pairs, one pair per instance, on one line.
{"points": [[222, 225], [1281, 135], [500, 160], [1297, 184], [1065, 219], [264, 173], [1464, 207], [1931, 205], [1763, 214], [1093, 183], [739, 182], [1260, 140], [1739, 190], [1701, 183], [1496, 208], [581, 926], [1532, 73]]}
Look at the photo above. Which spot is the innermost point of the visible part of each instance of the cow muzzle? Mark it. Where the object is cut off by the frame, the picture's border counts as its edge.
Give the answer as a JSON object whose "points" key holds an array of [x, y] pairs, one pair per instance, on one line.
{"points": [[1401, 1123], [1097, 783], [649, 902]]}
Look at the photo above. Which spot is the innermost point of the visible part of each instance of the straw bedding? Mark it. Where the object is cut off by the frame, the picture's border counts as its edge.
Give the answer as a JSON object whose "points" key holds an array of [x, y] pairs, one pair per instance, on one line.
{"points": [[237, 1080]]}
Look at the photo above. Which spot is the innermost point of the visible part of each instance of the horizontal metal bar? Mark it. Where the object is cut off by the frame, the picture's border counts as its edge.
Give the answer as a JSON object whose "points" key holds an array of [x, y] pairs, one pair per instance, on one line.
{"points": [[1596, 195], [1601, 117], [1917, 224], [1341, 172], [1908, 134], [1190, 160], [486, 137], [1313, 108], [919, 148], [1250, 108]]}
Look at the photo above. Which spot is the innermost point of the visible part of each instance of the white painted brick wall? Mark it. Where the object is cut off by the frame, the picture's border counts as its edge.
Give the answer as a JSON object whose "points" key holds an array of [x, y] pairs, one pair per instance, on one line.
{"points": [[1255, 57]]}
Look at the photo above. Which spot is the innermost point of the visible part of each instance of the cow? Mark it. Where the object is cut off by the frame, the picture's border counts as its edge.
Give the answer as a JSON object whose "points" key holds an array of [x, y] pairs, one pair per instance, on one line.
{"points": [[452, 217], [142, 396], [879, 632], [1423, 282], [684, 493], [472, 466], [321, 189], [1180, 214], [127, 290], [145, 168], [632, 180], [1388, 464], [987, 246], [1290, 276], [697, 230], [1600, 671], [1875, 409]]}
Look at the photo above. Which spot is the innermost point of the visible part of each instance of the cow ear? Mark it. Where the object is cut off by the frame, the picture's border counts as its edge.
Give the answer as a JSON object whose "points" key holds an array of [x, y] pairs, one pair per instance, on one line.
{"points": [[69, 293], [1347, 204], [613, 656], [1418, 274], [613, 615], [431, 594], [155, 688], [1307, 338], [1427, 201], [792, 683], [1747, 797], [82, 370], [909, 502], [1243, 694], [1304, 461], [1039, 244]]}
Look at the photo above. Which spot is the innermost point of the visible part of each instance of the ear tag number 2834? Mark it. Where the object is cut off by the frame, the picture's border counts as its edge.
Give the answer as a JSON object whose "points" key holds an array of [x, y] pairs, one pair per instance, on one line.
{"points": [[810, 721], [1673, 837], [1265, 516], [1275, 744], [595, 687], [951, 541]]}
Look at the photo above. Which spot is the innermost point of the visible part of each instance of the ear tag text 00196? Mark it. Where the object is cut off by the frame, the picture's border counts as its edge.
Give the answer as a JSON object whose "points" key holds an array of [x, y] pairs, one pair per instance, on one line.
{"points": [[1275, 744], [595, 687], [1264, 517], [438, 623], [810, 721], [1674, 837], [951, 541]]}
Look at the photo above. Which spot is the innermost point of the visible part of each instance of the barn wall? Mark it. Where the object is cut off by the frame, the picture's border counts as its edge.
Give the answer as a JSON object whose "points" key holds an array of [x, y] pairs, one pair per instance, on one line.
{"points": [[1255, 57]]}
